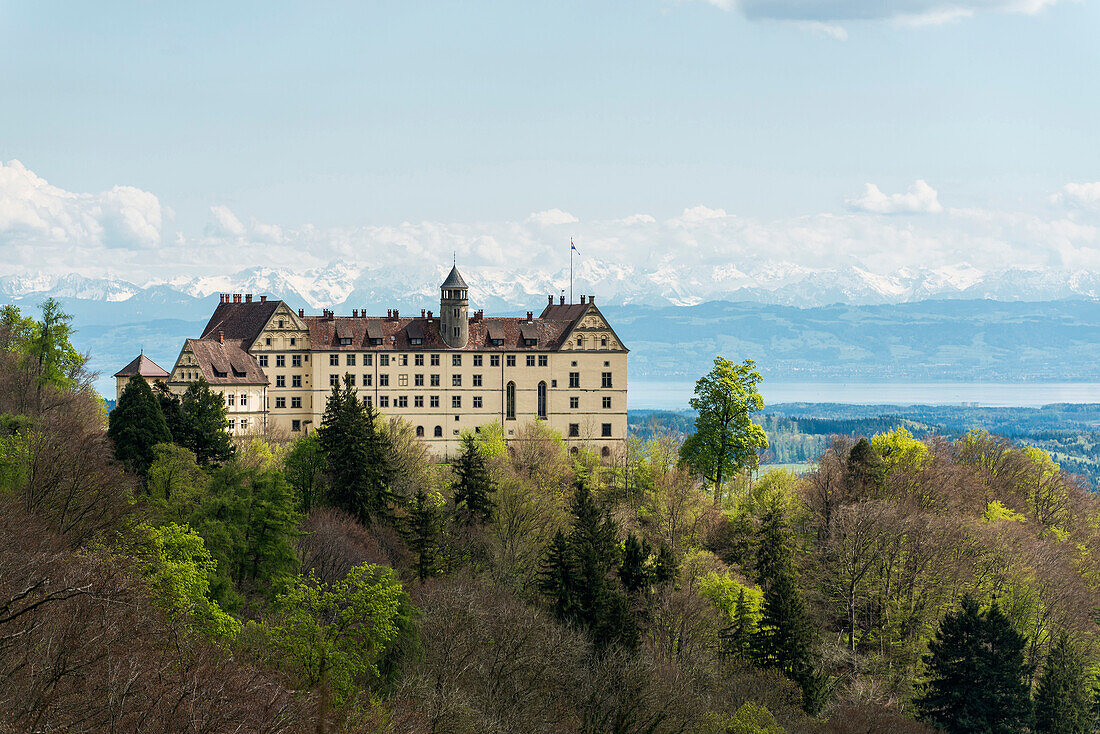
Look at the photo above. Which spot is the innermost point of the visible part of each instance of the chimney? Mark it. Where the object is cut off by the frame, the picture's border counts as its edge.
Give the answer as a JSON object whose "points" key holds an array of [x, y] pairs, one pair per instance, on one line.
{"points": [[389, 313], [421, 313], [236, 298], [263, 299], [530, 316], [301, 313], [591, 299], [582, 300], [355, 313], [395, 314], [248, 298], [561, 302], [429, 316], [549, 300], [221, 337]]}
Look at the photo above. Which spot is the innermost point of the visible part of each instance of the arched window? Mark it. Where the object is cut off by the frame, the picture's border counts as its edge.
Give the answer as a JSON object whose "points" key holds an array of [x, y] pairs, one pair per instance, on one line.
{"points": [[542, 400], [605, 451], [572, 449], [510, 401], [438, 432], [420, 431]]}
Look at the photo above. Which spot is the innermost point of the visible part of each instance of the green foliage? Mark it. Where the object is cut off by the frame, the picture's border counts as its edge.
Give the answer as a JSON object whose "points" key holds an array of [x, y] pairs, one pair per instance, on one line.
{"points": [[249, 523], [473, 484], [491, 441], [423, 532], [340, 634], [175, 562], [1062, 700], [304, 467], [175, 483], [136, 426], [996, 512], [16, 330], [866, 468], [726, 441], [729, 595], [204, 424], [751, 718], [900, 452], [356, 456], [977, 675]]}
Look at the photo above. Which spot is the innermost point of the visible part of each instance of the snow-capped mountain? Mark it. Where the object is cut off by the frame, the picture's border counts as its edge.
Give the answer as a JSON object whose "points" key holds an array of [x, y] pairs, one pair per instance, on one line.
{"points": [[498, 288]]}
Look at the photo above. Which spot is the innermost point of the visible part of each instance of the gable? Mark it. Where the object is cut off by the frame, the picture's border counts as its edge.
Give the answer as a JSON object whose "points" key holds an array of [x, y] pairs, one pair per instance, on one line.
{"points": [[594, 332], [292, 327]]}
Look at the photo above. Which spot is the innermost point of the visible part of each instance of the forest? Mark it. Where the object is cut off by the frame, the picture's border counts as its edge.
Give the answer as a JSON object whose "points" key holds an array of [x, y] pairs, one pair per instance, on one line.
{"points": [[157, 576]]}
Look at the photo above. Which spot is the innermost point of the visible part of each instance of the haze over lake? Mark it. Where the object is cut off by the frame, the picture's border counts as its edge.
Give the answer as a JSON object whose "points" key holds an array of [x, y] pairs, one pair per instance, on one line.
{"points": [[674, 394]]}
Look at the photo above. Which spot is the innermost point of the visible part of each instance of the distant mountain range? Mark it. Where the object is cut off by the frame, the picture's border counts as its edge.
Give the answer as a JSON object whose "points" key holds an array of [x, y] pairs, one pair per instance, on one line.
{"points": [[341, 284]]}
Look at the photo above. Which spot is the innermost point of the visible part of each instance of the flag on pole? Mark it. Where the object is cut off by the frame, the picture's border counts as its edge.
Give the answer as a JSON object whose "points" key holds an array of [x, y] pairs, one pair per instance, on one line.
{"points": [[572, 246]]}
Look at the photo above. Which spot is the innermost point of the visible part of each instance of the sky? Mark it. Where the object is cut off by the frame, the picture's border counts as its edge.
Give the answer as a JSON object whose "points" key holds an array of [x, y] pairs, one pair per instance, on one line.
{"points": [[152, 140]]}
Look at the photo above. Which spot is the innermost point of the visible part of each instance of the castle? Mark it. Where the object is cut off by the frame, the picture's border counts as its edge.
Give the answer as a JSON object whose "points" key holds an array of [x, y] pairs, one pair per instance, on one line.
{"points": [[442, 374]]}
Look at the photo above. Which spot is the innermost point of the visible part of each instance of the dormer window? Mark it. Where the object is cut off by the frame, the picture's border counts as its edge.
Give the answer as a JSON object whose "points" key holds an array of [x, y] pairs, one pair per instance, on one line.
{"points": [[345, 341], [376, 342], [496, 342], [416, 342], [530, 342]]}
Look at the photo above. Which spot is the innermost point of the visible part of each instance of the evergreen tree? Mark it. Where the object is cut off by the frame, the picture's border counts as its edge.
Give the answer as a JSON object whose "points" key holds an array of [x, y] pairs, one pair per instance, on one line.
{"points": [[743, 627], [423, 533], [136, 425], [977, 674], [171, 409], [1062, 704], [556, 579], [473, 484], [304, 464], [666, 568], [356, 456], [866, 469], [204, 424], [633, 572]]}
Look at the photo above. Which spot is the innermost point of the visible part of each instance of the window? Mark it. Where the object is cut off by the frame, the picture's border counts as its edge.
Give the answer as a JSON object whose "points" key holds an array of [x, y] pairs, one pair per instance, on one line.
{"points": [[606, 432], [418, 380], [605, 364], [418, 401], [530, 360], [574, 430], [603, 343], [296, 403], [420, 431], [280, 381], [267, 341], [263, 360], [456, 360], [231, 399], [435, 381], [403, 380], [542, 400], [435, 360], [383, 360], [349, 360], [418, 361], [280, 323], [280, 360], [574, 403], [293, 342], [477, 401], [296, 425], [244, 401], [454, 312], [456, 380], [334, 360], [296, 381], [232, 423], [345, 341], [456, 401], [280, 402], [478, 360], [544, 360], [574, 379], [438, 432], [607, 403], [580, 341], [244, 424], [606, 379], [295, 360], [477, 380], [433, 401], [383, 401], [416, 341], [510, 360], [553, 383], [334, 380], [605, 451], [368, 380], [367, 402], [368, 360], [351, 379], [383, 381], [510, 401], [402, 401], [494, 360]]}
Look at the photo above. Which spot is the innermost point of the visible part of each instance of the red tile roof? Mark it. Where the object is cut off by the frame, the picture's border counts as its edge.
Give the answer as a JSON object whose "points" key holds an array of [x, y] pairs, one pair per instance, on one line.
{"points": [[143, 366], [395, 333], [226, 363], [240, 321]]}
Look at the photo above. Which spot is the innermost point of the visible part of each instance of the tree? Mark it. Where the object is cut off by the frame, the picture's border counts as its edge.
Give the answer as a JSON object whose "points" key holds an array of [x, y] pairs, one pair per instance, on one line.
{"points": [[304, 466], [977, 674], [473, 484], [423, 532], [356, 456], [136, 425], [726, 441], [172, 409], [49, 353], [633, 571], [175, 482], [866, 469], [1062, 701], [205, 424]]}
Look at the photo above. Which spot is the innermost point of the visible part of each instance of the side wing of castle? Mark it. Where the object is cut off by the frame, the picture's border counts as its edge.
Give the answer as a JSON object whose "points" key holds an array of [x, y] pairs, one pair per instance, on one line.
{"points": [[442, 374]]}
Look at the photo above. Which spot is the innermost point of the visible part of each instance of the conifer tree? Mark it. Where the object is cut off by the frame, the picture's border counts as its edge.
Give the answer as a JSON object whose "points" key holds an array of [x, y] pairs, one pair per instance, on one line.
{"points": [[473, 485], [170, 408], [866, 469], [666, 568], [633, 572], [204, 424], [977, 674], [1062, 704], [423, 533], [136, 425], [743, 627], [356, 456], [556, 577]]}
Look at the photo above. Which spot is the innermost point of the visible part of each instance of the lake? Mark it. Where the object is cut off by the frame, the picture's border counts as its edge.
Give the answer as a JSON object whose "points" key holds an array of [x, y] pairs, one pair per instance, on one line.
{"points": [[673, 395]]}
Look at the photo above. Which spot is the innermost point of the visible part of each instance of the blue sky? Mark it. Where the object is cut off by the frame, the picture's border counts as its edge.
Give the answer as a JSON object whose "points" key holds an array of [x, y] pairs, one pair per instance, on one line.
{"points": [[332, 117]]}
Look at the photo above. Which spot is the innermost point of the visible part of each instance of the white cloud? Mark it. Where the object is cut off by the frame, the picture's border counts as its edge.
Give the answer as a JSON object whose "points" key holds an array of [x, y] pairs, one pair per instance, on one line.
{"points": [[551, 217], [826, 30], [700, 213], [919, 199], [1079, 194], [32, 210], [909, 12], [225, 222]]}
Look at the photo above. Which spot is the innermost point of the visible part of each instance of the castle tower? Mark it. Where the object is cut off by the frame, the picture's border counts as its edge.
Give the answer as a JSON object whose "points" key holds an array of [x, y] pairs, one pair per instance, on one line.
{"points": [[454, 307]]}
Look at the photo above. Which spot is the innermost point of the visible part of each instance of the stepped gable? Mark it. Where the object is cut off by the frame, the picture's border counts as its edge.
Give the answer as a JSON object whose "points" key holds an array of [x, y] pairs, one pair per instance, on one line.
{"points": [[226, 363], [143, 366], [396, 334], [240, 320]]}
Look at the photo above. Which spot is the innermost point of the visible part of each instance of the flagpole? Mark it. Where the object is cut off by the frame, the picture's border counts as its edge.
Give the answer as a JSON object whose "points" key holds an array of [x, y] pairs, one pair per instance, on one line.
{"points": [[571, 270]]}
